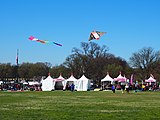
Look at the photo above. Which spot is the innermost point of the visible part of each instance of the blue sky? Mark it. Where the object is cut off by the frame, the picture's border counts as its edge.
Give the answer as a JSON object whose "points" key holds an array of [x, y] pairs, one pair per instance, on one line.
{"points": [[130, 26]]}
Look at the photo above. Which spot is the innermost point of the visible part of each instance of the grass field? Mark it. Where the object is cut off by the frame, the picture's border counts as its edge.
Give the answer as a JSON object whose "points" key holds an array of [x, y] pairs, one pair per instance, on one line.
{"points": [[91, 105]]}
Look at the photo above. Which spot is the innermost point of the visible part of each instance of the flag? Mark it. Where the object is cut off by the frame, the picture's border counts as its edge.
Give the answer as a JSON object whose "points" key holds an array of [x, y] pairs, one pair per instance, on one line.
{"points": [[17, 57], [131, 79]]}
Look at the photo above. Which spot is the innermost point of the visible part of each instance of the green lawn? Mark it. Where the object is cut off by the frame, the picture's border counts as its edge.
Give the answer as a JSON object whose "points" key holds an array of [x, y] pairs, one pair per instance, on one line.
{"points": [[91, 105]]}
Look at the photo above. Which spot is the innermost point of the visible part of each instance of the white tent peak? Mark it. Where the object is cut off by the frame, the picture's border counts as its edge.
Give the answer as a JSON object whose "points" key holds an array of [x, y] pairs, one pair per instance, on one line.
{"points": [[83, 78], [49, 78], [72, 78], [120, 78], [150, 79], [107, 78], [60, 78]]}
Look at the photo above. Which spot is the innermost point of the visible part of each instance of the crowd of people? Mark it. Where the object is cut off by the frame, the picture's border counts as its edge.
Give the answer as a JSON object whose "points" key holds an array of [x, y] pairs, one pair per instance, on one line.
{"points": [[134, 87], [19, 87], [121, 86]]}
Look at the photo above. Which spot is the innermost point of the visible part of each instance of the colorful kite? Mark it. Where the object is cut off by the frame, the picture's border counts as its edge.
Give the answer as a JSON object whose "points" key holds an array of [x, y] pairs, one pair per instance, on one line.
{"points": [[96, 35], [43, 41]]}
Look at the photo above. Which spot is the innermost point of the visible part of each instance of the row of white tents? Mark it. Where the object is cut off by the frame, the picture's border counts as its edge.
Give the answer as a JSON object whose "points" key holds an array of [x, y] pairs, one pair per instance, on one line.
{"points": [[82, 84]]}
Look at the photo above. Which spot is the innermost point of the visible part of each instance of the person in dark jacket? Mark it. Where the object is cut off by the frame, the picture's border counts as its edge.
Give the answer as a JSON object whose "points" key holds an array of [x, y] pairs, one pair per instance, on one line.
{"points": [[113, 88], [72, 87]]}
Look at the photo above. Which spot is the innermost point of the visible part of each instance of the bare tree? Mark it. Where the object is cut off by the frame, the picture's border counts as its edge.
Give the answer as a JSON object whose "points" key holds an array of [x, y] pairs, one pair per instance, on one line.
{"points": [[144, 60]]}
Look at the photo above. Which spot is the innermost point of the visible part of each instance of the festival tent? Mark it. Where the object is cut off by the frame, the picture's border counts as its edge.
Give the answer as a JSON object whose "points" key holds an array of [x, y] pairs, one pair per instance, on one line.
{"points": [[106, 80], [71, 80], [83, 84], [150, 79], [48, 84], [59, 83], [120, 78]]}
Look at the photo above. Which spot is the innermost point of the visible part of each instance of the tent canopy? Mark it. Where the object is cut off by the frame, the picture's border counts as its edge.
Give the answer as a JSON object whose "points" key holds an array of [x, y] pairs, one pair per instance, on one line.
{"points": [[107, 78], [60, 78], [71, 78], [120, 78], [150, 79]]}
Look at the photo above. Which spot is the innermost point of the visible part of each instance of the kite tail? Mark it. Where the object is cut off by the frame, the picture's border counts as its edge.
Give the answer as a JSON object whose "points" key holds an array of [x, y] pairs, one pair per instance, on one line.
{"points": [[57, 44], [42, 41]]}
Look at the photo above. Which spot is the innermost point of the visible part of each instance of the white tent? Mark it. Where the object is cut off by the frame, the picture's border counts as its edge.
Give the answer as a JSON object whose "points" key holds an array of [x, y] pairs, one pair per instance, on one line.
{"points": [[83, 84], [73, 80], [120, 78], [59, 82], [106, 80], [150, 79], [48, 84]]}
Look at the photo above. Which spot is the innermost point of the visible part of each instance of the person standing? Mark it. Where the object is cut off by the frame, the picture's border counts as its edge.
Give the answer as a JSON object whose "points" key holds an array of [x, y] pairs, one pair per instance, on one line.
{"points": [[127, 88], [72, 87], [113, 88], [122, 88]]}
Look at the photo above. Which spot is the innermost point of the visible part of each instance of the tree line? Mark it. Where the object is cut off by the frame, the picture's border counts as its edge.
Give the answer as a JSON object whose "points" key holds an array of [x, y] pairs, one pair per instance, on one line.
{"points": [[92, 60]]}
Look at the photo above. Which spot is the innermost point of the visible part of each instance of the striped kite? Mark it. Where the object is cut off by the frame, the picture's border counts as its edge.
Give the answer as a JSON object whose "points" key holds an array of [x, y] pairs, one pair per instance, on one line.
{"points": [[43, 41], [96, 35]]}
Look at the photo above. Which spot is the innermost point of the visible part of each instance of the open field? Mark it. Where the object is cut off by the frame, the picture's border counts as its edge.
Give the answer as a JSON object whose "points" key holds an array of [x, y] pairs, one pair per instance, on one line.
{"points": [[91, 105]]}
